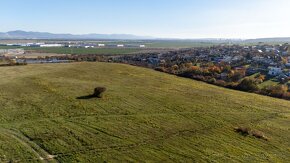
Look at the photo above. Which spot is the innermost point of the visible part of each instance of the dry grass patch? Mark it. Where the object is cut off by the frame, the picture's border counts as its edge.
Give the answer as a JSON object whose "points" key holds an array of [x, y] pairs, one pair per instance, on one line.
{"points": [[245, 131]]}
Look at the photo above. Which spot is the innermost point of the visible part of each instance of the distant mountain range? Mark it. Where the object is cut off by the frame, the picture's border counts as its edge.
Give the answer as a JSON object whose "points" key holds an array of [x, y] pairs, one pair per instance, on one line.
{"points": [[18, 34], [45, 35], [277, 39]]}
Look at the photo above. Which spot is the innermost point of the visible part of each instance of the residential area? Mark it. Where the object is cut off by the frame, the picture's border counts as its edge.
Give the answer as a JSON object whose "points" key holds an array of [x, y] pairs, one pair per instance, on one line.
{"points": [[265, 67]]}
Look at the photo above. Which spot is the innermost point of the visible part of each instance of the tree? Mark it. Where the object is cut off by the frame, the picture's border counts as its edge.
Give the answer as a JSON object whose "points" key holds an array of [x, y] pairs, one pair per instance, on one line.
{"points": [[174, 69], [161, 69], [212, 80], [188, 65], [275, 91], [214, 69], [98, 92], [226, 68], [248, 85], [237, 75]]}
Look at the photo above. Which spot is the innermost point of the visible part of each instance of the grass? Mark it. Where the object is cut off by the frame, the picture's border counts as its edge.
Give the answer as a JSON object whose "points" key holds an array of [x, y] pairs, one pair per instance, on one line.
{"points": [[143, 116], [270, 82]]}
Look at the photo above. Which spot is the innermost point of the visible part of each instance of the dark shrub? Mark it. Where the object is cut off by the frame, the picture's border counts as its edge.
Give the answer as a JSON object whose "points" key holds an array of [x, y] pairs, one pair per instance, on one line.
{"points": [[231, 85], [248, 85], [212, 80], [237, 76], [247, 131], [221, 83], [161, 69], [98, 92], [243, 130]]}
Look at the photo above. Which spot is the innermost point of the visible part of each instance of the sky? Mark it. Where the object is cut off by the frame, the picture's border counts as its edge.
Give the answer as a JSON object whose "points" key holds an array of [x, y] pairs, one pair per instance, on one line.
{"points": [[158, 18]]}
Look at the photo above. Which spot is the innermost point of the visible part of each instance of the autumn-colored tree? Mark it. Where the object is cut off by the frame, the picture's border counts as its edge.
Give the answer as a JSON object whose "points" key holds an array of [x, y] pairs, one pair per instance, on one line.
{"points": [[236, 75], [261, 77], [248, 85], [284, 60], [194, 68], [175, 67], [214, 69], [226, 68], [188, 65], [275, 91]]}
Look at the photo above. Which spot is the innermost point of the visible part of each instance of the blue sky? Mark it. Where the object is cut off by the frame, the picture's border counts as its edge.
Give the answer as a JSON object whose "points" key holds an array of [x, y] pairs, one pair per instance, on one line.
{"points": [[158, 18]]}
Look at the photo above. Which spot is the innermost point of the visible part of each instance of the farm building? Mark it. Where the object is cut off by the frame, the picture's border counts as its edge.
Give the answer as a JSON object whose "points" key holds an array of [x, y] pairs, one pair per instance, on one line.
{"points": [[51, 45]]}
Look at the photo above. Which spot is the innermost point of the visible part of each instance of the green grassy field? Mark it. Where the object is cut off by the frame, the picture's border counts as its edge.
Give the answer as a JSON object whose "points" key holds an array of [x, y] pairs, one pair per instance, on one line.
{"points": [[144, 116], [80, 51], [270, 82], [167, 44]]}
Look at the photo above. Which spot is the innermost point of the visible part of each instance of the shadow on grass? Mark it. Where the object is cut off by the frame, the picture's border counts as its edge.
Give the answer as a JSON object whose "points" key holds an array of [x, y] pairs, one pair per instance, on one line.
{"points": [[86, 97]]}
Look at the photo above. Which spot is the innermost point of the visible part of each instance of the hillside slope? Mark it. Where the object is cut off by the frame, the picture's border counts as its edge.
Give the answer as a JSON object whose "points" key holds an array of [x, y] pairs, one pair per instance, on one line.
{"points": [[145, 115]]}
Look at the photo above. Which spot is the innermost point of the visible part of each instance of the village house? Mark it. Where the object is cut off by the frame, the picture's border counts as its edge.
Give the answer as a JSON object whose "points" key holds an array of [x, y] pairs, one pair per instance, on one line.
{"points": [[275, 71], [101, 45], [51, 45]]}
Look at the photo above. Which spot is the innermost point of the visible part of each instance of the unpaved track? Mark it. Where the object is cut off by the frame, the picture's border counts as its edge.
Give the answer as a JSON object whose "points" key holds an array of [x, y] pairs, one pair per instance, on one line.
{"points": [[41, 154]]}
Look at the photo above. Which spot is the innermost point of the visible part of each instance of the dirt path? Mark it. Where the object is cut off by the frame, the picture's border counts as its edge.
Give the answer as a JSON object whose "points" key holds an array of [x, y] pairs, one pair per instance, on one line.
{"points": [[41, 154]]}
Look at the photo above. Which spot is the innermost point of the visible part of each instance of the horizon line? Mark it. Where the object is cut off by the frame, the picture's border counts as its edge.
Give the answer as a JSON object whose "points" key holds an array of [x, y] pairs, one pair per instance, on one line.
{"points": [[156, 37]]}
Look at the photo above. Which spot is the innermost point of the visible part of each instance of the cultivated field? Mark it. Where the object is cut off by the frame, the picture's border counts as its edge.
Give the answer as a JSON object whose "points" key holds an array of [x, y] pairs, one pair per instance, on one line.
{"points": [[36, 55], [144, 116], [64, 50]]}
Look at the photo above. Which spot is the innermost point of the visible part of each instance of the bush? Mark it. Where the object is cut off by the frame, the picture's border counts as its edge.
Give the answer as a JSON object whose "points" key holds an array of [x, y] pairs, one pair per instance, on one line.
{"points": [[237, 76], [98, 92], [260, 77], [280, 91], [212, 80], [247, 131], [243, 130], [160, 69], [248, 85], [259, 135], [220, 83]]}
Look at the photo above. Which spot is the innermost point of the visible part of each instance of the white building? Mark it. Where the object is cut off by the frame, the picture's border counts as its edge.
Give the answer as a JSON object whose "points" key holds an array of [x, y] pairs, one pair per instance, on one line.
{"points": [[101, 45], [274, 71], [120, 46], [142, 46], [51, 45], [89, 47]]}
